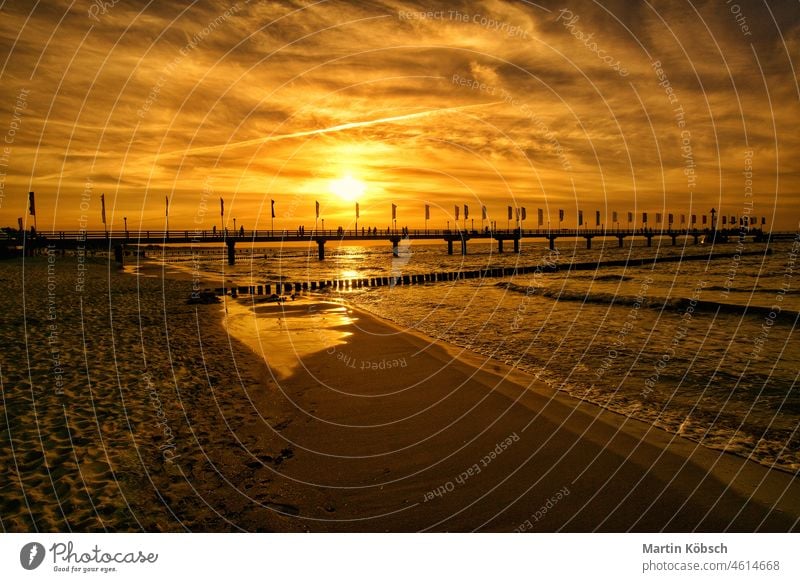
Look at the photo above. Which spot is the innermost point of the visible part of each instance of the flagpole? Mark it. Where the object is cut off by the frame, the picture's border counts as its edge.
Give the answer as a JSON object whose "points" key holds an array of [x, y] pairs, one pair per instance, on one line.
{"points": [[32, 198]]}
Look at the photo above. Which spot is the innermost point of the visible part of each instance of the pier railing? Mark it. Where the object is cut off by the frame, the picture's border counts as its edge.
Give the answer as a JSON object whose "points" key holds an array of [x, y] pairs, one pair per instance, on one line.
{"points": [[278, 235]]}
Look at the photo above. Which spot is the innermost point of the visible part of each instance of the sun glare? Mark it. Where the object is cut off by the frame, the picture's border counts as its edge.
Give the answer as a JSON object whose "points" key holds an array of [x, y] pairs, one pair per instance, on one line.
{"points": [[348, 188]]}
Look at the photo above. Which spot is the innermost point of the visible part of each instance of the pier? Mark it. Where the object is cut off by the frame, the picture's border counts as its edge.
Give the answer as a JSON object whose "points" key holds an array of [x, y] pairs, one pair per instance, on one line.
{"points": [[117, 240]]}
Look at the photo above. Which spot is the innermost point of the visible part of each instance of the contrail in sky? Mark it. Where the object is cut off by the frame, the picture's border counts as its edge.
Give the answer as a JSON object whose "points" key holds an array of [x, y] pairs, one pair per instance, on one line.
{"points": [[332, 129]]}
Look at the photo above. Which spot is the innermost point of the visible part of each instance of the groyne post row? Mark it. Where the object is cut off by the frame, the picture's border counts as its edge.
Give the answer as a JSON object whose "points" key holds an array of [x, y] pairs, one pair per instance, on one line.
{"points": [[446, 276]]}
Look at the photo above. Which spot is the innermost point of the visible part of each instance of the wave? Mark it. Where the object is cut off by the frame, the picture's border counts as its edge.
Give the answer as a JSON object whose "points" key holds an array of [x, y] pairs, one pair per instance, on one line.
{"points": [[767, 290], [655, 303], [604, 277]]}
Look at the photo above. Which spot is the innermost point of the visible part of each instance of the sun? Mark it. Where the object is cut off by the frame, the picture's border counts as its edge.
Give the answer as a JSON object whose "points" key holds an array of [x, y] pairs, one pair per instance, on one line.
{"points": [[347, 188]]}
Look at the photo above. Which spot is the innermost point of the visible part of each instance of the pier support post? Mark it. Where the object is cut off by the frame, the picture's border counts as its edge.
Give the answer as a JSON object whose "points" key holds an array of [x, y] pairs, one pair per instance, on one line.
{"points": [[118, 256], [463, 246], [395, 246], [321, 249], [649, 241], [674, 240], [516, 245], [552, 240], [449, 247], [231, 244], [500, 246], [588, 242], [620, 238]]}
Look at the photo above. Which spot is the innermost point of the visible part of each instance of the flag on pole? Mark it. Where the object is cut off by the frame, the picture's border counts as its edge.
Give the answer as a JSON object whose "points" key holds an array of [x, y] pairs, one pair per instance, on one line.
{"points": [[31, 204], [483, 213], [456, 207], [644, 217], [763, 220], [704, 219], [518, 214], [724, 220], [103, 207], [509, 213], [272, 206], [166, 205], [694, 219], [658, 218], [560, 215], [732, 220], [683, 219], [630, 217], [466, 212], [671, 218], [317, 208], [540, 212], [580, 217], [427, 212], [394, 212], [357, 211], [19, 222], [597, 218], [221, 207], [524, 214], [614, 216]]}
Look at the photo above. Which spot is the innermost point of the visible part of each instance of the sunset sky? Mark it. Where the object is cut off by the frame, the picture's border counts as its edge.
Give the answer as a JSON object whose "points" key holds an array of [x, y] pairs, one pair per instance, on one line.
{"points": [[481, 103]]}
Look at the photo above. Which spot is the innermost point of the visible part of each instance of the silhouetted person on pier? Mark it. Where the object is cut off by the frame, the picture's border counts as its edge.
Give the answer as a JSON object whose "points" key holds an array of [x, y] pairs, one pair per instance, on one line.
{"points": [[241, 231]]}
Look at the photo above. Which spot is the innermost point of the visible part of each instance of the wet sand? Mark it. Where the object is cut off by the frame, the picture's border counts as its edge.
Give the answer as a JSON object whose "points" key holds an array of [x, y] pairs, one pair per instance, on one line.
{"points": [[395, 432]]}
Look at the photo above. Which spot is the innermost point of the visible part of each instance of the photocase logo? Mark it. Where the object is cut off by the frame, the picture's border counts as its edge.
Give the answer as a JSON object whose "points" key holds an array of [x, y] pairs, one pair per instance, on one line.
{"points": [[31, 555]]}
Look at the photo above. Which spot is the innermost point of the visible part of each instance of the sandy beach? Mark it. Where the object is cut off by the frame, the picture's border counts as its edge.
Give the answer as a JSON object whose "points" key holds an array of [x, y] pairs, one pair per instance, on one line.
{"points": [[315, 416]]}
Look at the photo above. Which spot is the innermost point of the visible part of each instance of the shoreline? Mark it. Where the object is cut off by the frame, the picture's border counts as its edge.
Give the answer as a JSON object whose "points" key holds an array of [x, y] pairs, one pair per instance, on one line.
{"points": [[645, 450], [182, 273]]}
